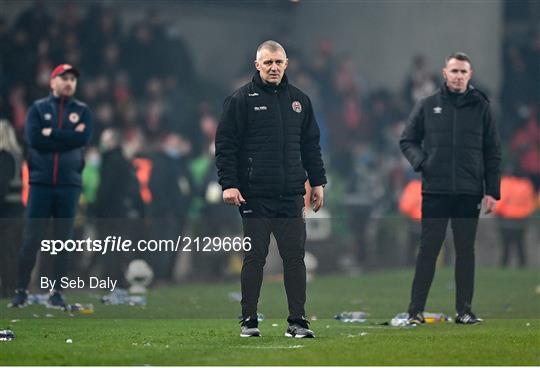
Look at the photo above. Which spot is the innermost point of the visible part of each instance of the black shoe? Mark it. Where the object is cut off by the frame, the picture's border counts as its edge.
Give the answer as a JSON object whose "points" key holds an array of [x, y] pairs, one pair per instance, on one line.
{"points": [[416, 318], [249, 327], [56, 299], [468, 319], [299, 328], [20, 299]]}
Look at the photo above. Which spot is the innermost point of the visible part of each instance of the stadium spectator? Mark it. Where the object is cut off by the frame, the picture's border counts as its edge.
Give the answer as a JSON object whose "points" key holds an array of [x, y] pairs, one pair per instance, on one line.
{"points": [[171, 189], [420, 83], [11, 207], [410, 205], [118, 199], [516, 205]]}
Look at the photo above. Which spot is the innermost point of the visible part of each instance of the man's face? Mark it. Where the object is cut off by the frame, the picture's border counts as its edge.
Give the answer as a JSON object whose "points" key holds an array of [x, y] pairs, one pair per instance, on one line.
{"points": [[64, 85], [271, 66], [457, 75]]}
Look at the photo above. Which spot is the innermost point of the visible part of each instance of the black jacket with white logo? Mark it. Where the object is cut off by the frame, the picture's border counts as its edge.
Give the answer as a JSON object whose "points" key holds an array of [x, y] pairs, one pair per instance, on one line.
{"points": [[455, 144], [267, 140]]}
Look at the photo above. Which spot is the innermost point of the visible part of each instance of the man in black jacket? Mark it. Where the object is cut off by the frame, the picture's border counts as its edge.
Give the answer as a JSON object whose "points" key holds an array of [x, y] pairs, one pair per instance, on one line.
{"points": [[266, 141], [452, 139], [56, 130]]}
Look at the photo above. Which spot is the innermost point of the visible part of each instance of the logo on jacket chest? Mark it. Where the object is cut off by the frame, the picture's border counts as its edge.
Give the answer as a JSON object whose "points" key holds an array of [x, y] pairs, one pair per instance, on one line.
{"points": [[437, 110], [297, 107], [74, 117], [260, 108]]}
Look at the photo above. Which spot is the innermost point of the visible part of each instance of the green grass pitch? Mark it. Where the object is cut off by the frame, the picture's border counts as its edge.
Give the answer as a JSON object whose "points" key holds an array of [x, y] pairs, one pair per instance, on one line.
{"points": [[195, 325]]}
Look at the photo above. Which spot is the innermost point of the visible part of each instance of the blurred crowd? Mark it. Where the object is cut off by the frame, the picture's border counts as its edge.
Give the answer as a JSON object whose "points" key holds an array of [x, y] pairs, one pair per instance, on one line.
{"points": [[155, 118]]}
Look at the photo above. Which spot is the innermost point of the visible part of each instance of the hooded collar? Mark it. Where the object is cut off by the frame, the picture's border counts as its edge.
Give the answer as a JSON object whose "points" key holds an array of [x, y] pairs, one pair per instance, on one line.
{"points": [[270, 87]]}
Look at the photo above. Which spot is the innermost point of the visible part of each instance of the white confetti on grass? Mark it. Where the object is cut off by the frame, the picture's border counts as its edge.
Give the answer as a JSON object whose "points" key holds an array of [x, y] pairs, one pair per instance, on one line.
{"points": [[358, 335]]}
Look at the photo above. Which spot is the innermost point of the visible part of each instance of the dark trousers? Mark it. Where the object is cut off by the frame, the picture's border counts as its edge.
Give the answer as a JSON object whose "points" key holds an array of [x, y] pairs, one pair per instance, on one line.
{"points": [[512, 234], [284, 218], [437, 210], [44, 202]]}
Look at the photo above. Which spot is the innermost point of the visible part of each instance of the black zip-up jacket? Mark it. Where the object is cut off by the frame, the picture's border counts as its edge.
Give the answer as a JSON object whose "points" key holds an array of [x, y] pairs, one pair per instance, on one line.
{"points": [[57, 159], [454, 143], [267, 139]]}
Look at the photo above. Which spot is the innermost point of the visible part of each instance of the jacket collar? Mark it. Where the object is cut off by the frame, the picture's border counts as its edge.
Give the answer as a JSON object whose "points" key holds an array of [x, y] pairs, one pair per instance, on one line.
{"points": [[270, 87], [470, 95], [53, 98]]}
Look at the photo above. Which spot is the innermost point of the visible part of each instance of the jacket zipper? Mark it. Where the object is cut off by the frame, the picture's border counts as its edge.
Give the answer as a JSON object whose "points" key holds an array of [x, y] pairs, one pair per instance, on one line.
{"points": [[282, 139], [454, 151], [250, 170], [56, 154]]}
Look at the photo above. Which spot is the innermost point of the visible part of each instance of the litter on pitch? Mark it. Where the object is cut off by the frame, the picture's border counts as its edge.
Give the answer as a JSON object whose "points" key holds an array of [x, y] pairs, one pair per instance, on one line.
{"points": [[400, 320], [121, 296], [235, 296], [361, 334], [432, 318], [6, 335], [81, 308], [260, 317], [351, 317], [42, 299]]}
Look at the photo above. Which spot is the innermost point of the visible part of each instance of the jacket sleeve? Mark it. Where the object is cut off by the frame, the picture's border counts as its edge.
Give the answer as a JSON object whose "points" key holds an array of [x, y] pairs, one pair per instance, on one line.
{"points": [[412, 136], [72, 138], [492, 156], [35, 139], [228, 141], [311, 149]]}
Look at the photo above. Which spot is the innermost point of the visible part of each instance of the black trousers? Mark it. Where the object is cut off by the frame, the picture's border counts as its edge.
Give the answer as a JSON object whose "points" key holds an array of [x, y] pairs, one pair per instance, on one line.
{"points": [[284, 218], [46, 201], [437, 210], [513, 233]]}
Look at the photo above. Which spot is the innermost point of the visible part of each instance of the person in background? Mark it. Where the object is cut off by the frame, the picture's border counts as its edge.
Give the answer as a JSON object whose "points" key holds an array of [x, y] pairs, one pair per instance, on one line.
{"points": [[11, 207], [452, 139], [266, 142], [170, 187], [57, 129], [516, 205]]}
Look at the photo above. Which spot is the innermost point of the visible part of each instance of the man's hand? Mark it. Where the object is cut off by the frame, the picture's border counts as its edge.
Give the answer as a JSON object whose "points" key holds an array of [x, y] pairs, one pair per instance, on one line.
{"points": [[232, 196], [46, 131], [490, 203], [80, 127], [317, 197]]}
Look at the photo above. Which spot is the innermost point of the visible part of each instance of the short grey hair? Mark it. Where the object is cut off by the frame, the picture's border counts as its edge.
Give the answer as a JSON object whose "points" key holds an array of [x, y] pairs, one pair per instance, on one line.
{"points": [[271, 46], [458, 55]]}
